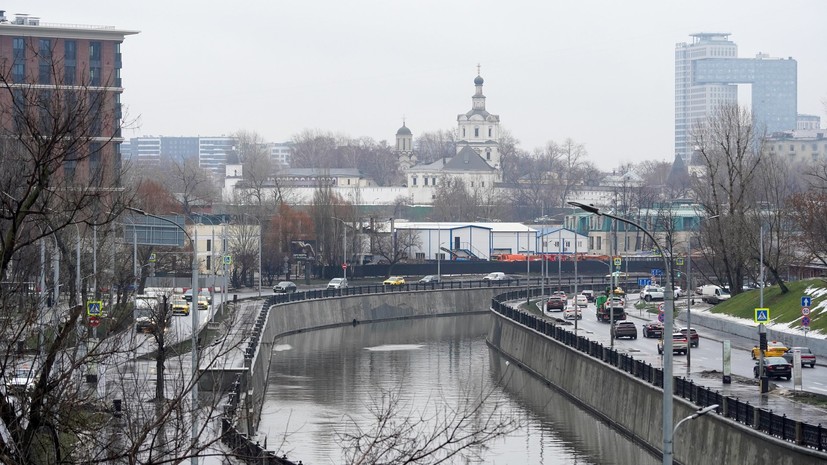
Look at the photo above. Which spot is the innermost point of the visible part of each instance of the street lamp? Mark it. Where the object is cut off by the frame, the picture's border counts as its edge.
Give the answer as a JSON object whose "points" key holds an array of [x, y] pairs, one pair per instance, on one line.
{"points": [[194, 313], [259, 250], [344, 246], [699, 413], [667, 325], [689, 297]]}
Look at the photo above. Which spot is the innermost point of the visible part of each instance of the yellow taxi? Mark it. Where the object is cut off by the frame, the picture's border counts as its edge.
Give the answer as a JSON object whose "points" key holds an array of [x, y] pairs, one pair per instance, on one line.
{"points": [[394, 281], [203, 302], [774, 349], [180, 306]]}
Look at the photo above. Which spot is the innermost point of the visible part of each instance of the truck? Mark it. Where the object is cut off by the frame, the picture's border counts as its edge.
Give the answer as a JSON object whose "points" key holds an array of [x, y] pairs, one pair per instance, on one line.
{"points": [[614, 305], [713, 294]]}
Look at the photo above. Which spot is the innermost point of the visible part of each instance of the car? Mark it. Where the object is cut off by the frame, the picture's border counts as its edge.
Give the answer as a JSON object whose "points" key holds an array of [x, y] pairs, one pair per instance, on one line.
{"points": [[180, 306], [495, 276], [679, 292], [589, 294], [337, 283], [807, 356], [22, 380], [560, 293], [431, 278], [394, 281], [285, 287], [774, 349], [572, 313], [555, 302], [203, 303], [650, 293], [624, 328], [679, 344], [581, 301], [694, 339], [653, 329], [775, 367]]}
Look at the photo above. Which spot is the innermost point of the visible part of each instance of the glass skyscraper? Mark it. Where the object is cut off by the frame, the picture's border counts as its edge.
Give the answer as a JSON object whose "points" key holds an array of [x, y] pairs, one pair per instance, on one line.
{"points": [[707, 72]]}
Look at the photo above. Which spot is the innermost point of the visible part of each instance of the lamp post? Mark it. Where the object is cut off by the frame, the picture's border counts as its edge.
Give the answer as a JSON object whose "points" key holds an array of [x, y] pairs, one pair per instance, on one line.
{"points": [[699, 413], [667, 324], [344, 246], [259, 250], [689, 298], [194, 313]]}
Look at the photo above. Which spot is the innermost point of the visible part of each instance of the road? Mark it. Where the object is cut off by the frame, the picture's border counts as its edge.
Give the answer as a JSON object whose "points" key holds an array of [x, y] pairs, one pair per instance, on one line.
{"points": [[708, 356]]}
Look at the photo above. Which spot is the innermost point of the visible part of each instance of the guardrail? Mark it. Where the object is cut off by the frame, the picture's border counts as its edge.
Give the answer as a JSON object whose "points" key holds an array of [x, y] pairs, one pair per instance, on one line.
{"points": [[779, 426]]}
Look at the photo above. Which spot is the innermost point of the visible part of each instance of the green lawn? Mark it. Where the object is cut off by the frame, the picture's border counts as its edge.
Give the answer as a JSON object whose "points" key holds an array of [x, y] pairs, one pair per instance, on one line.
{"points": [[784, 308]]}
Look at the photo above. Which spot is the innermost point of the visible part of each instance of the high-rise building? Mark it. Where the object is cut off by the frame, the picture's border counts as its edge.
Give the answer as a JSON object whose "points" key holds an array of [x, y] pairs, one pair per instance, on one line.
{"points": [[65, 83], [707, 72]]}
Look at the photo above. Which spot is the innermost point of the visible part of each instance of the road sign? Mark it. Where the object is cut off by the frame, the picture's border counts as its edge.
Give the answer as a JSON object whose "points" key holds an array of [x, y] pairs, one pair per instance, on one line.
{"points": [[805, 320], [93, 307], [660, 307], [805, 311], [657, 272], [344, 266], [806, 301], [94, 321], [679, 261], [152, 257], [661, 317], [762, 315], [228, 259], [618, 261], [644, 282]]}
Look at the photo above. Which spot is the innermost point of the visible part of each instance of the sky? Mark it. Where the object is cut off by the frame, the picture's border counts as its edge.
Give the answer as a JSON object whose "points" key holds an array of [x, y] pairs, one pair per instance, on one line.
{"points": [[600, 72]]}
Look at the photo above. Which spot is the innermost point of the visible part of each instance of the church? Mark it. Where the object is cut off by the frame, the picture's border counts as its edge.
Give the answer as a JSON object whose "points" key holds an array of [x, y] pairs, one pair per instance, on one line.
{"points": [[476, 163]]}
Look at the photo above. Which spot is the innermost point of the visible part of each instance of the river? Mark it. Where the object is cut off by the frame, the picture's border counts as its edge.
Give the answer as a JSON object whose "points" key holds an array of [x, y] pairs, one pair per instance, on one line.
{"points": [[323, 383]]}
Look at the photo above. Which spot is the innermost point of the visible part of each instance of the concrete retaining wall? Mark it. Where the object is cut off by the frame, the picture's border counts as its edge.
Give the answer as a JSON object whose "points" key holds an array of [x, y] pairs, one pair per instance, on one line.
{"points": [[635, 406]]}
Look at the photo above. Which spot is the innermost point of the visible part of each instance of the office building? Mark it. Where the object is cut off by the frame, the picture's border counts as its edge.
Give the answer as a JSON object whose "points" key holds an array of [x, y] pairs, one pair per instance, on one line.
{"points": [[707, 72]]}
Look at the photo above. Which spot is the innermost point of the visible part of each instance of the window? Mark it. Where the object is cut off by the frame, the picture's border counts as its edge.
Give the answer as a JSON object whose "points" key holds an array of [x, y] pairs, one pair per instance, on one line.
{"points": [[489, 132], [209, 261], [420, 255], [413, 180], [599, 242], [488, 155], [425, 180], [463, 132], [94, 51], [433, 181], [209, 245], [476, 132]]}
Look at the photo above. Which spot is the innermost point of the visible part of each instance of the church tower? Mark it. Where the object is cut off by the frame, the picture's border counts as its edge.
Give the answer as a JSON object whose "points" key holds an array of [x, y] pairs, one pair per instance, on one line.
{"points": [[404, 148], [479, 129]]}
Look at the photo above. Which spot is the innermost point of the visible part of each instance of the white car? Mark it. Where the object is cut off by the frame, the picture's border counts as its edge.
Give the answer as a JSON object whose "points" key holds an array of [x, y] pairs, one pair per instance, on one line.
{"points": [[337, 283], [650, 293], [570, 313], [581, 300], [495, 276]]}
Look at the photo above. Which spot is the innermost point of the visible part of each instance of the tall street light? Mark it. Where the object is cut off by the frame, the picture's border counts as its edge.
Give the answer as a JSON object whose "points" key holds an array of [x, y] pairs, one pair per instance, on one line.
{"points": [[259, 250], [344, 246], [667, 325], [689, 297], [194, 314], [699, 413]]}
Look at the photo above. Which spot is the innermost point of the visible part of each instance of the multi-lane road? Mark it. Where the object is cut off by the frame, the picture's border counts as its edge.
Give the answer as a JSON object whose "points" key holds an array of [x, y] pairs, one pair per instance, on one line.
{"points": [[707, 357]]}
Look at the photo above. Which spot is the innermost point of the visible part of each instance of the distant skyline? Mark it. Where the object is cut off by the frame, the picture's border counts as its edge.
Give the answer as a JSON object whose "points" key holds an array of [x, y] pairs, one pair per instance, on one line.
{"points": [[600, 72]]}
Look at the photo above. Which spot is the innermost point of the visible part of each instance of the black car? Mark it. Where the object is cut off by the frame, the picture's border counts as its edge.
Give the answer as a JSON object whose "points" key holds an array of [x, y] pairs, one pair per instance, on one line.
{"points": [[775, 367], [285, 287], [653, 329]]}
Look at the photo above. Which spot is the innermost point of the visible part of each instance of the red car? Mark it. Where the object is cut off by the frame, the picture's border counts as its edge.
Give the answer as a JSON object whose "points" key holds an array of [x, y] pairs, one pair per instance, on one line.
{"points": [[556, 302]]}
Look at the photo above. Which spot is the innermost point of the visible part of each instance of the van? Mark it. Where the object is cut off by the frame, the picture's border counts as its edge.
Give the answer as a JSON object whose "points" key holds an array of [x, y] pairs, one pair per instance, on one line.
{"points": [[495, 276], [713, 294]]}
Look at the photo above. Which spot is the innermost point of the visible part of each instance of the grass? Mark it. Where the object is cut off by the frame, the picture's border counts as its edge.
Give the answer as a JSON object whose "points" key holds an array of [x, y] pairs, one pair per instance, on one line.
{"points": [[784, 308]]}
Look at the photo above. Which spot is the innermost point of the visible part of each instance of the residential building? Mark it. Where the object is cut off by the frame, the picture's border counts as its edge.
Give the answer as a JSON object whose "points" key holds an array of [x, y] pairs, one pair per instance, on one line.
{"points": [[72, 69], [707, 72], [798, 146]]}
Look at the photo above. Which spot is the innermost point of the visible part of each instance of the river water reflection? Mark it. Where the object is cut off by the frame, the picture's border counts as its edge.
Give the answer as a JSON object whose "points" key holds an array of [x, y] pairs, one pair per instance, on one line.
{"points": [[319, 379]]}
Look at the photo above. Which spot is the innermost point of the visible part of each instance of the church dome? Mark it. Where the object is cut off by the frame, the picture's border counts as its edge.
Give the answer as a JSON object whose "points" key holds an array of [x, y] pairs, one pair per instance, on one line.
{"points": [[478, 80], [403, 131]]}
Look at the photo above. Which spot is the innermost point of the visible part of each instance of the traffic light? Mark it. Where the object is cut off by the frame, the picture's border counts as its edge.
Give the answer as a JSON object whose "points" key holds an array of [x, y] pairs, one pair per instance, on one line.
{"points": [[762, 341]]}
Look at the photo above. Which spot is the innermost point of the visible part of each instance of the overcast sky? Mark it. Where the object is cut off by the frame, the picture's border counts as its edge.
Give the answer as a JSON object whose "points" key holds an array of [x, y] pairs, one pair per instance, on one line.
{"points": [[600, 72]]}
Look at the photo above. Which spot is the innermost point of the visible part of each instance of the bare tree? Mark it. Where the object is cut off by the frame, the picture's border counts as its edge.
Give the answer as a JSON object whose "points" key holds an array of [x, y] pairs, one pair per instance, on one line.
{"points": [[431, 146], [730, 152], [257, 170], [192, 185]]}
